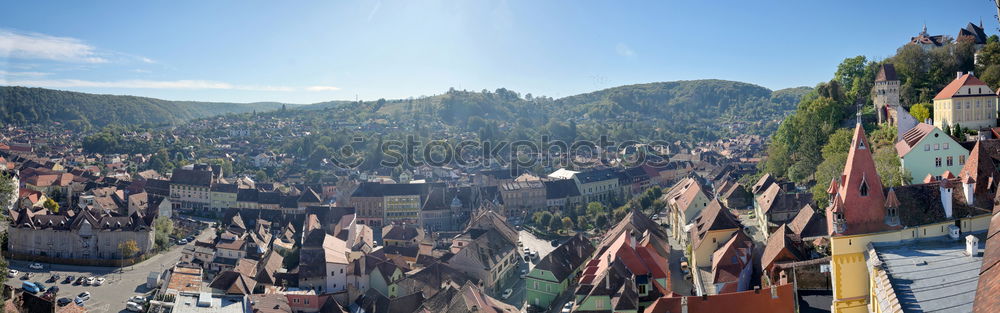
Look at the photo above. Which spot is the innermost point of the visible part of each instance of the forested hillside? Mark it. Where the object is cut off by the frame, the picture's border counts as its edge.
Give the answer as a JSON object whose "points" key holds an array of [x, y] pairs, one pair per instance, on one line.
{"points": [[689, 111], [22, 105]]}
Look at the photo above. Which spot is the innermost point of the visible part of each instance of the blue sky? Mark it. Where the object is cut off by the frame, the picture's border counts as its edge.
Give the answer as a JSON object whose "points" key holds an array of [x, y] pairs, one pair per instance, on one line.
{"points": [[313, 51]]}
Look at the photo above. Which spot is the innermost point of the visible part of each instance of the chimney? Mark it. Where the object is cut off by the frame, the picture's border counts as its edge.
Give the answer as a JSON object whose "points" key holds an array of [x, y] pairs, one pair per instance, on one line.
{"points": [[958, 75], [946, 190], [774, 292], [607, 276], [971, 246], [969, 186], [684, 305], [631, 242], [972, 73]]}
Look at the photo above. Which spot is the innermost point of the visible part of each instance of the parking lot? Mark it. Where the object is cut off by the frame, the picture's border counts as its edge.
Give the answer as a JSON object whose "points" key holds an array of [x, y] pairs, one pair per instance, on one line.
{"points": [[120, 284]]}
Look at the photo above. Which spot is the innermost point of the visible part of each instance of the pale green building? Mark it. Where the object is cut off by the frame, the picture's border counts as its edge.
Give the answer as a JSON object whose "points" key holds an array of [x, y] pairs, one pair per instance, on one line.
{"points": [[926, 150]]}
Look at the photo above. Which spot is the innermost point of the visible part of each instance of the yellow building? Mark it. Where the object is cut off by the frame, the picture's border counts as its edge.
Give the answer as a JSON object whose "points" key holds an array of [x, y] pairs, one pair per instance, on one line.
{"points": [[710, 231], [966, 101]]}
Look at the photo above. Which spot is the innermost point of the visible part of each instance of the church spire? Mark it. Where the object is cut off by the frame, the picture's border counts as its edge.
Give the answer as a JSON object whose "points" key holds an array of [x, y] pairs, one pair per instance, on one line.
{"points": [[860, 190]]}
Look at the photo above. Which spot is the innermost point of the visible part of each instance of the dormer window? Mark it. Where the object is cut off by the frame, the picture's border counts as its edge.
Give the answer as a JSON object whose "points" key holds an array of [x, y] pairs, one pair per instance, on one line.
{"points": [[892, 216], [861, 144], [864, 188]]}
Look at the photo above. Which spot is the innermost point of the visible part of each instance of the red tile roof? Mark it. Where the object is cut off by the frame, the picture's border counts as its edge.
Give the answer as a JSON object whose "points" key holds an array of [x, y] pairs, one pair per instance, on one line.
{"points": [[953, 88], [862, 213], [779, 300]]}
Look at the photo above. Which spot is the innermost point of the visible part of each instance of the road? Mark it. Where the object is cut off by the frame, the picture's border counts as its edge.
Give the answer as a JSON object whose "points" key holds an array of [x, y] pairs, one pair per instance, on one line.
{"points": [[540, 246], [121, 284]]}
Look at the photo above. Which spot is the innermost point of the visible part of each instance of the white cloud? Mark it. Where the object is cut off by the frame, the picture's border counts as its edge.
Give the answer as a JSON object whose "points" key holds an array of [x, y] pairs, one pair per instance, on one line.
{"points": [[157, 84], [322, 88], [624, 50], [41, 46], [146, 60], [22, 74]]}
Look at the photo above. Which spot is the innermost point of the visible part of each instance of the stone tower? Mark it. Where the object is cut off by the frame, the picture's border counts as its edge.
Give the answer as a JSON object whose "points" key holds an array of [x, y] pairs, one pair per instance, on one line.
{"points": [[886, 94]]}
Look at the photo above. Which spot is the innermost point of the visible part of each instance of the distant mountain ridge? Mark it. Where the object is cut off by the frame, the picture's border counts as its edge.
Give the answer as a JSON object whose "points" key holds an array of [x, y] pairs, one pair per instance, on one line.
{"points": [[27, 105]]}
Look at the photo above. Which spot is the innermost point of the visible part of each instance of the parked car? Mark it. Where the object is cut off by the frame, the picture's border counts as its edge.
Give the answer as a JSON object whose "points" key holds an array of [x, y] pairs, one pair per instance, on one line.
{"points": [[79, 281], [83, 296], [507, 293], [64, 301], [36, 266], [684, 265], [69, 279], [182, 242], [133, 307], [137, 299], [26, 276], [190, 238], [41, 287], [568, 307], [30, 287], [53, 290], [99, 281], [12, 273], [527, 251], [90, 281], [53, 279]]}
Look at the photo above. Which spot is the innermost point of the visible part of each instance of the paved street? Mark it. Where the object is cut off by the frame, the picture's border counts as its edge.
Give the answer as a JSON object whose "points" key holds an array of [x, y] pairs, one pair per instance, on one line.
{"points": [[121, 283], [540, 246]]}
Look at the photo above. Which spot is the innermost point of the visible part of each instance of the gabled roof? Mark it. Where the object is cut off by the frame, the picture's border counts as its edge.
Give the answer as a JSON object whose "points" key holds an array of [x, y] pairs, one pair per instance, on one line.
{"points": [[981, 167], [780, 248], [714, 217], [560, 189], [730, 259], [953, 88], [567, 257], [808, 223], [912, 137]]}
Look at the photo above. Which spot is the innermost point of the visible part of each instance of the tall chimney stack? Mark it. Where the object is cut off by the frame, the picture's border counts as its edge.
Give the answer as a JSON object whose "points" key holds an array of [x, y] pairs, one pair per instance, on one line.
{"points": [[958, 75]]}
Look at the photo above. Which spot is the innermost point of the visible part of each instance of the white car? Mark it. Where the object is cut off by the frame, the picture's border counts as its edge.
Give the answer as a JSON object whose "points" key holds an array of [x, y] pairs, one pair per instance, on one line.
{"points": [[133, 307], [99, 281], [137, 299], [12, 273], [89, 281], [35, 266], [567, 307], [507, 293], [83, 296]]}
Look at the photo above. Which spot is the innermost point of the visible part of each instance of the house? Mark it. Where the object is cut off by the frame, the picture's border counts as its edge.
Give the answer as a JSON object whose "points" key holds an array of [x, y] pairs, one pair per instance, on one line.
{"points": [[732, 265], [557, 271], [710, 230], [487, 251], [979, 175], [190, 187], [685, 200], [733, 194], [782, 246], [561, 193], [521, 196], [223, 196], [77, 234], [776, 206], [634, 250], [928, 42], [966, 101], [597, 185], [809, 225], [467, 298], [926, 150], [402, 236]]}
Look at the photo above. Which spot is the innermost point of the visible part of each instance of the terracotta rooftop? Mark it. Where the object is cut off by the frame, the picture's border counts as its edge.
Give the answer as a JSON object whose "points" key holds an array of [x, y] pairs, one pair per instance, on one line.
{"points": [[953, 88]]}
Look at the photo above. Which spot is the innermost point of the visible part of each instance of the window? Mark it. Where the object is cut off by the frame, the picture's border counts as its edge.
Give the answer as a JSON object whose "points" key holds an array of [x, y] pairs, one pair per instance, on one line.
{"points": [[945, 146], [927, 147], [642, 289], [937, 147], [937, 162], [949, 161], [864, 188], [961, 160]]}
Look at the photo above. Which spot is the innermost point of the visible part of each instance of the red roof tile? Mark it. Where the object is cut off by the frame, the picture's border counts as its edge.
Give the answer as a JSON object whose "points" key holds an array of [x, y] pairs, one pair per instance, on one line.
{"points": [[953, 88]]}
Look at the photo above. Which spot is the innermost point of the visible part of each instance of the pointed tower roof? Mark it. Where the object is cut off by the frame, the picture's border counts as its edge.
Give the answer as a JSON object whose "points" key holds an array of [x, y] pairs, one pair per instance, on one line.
{"points": [[890, 200], [980, 167], [833, 186], [860, 190]]}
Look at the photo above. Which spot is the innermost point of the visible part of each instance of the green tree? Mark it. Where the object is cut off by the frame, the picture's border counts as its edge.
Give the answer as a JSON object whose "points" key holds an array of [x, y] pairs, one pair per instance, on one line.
{"points": [[7, 190], [128, 249], [163, 227], [544, 219], [567, 223], [922, 111], [51, 205], [556, 223]]}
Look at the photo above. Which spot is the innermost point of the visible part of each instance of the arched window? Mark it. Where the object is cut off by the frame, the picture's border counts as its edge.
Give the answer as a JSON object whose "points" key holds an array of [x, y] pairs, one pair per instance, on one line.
{"points": [[864, 188]]}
